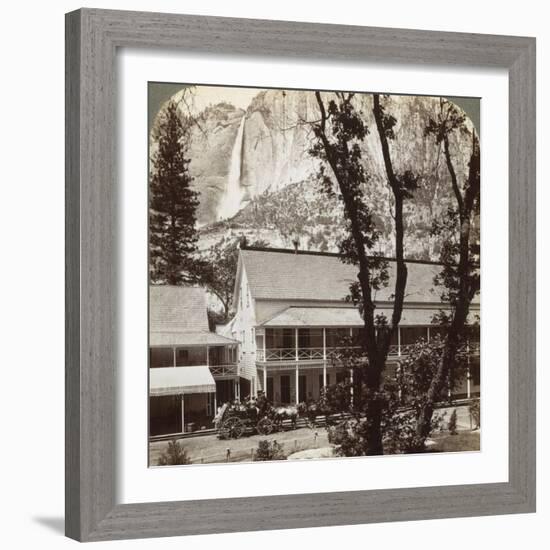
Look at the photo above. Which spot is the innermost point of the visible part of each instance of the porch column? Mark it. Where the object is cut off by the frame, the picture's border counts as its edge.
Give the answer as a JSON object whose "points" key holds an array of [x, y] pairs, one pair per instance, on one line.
{"points": [[174, 356], [297, 385], [324, 374], [428, 334], [324, 345], [215, 406], [296, 343], [468, 375], [182, 413], [207, 356], [351, 388], [265, 381], [398, 340]]}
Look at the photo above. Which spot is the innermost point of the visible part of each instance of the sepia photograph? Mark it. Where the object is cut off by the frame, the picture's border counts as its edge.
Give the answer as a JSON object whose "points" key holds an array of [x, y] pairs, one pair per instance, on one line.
{"points": [[314, 274]]}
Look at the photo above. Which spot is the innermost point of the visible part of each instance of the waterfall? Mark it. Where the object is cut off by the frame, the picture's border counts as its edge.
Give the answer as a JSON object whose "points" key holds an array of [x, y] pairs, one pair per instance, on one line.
{"points": [[233, 194]]}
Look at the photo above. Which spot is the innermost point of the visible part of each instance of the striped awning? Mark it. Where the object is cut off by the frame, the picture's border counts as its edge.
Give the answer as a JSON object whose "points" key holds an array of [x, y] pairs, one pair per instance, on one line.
{"points": [[180, 380]]}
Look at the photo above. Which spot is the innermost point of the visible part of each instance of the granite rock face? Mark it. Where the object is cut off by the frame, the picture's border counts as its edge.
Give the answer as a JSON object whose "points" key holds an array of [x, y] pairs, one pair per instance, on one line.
{"points": [[279, 199]]}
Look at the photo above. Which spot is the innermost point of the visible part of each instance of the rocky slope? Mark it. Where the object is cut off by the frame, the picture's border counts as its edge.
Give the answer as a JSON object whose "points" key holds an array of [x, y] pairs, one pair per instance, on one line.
{"points": [[264, 160]]}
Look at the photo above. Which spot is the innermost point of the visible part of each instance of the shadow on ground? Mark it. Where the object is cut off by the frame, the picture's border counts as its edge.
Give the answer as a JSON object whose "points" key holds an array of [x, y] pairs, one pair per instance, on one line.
{"points": [[54, 524]]}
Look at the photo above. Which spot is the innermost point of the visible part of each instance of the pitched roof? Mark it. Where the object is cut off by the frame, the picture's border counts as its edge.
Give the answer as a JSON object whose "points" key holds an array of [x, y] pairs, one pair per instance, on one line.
{"points": [[177, 309], [345, 317], [178, 317], [189, 339], [284, 275]]}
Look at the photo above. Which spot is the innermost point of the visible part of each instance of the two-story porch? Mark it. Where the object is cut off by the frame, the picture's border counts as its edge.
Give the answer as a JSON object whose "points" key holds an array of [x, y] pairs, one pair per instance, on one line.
{"points": [[295, 363], [190, 375]]}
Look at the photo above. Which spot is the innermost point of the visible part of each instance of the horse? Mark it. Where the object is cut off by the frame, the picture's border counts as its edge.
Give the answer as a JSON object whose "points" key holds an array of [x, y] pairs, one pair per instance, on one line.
{"points": [[282, 413]]}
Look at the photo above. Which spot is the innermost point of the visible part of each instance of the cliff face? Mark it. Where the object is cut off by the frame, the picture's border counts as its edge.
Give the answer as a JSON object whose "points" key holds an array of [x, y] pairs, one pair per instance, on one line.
{"points": [[261, 157]]}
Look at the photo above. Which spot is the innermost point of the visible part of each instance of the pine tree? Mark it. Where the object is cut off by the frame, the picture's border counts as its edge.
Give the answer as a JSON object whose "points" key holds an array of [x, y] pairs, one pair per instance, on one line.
{"points": [[173, 204]]}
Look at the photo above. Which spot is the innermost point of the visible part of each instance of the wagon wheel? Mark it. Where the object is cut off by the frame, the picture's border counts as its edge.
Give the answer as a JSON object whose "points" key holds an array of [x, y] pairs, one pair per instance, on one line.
{"points": [[265, 426], [231, 428]]}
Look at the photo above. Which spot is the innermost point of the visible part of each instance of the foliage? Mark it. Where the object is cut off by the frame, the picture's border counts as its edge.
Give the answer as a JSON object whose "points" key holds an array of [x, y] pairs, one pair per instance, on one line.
{"points": [[338, 434], [215, 318], [459, 278], [475, 413], [452, 423], [269, 450], [417, 370], [338, 146], [172, 202], [217, 270], [173, 455]]}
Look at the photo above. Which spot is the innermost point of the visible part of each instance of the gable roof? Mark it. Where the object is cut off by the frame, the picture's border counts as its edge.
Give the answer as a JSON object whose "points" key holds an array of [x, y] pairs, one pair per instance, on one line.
{"points": [[177, 309], [285, 275], [178, 317]]}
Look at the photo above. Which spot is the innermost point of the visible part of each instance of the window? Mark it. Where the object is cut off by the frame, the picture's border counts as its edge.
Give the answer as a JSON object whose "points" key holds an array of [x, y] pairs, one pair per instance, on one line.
{"points": [[259, 341], [285, 388], [161, 357], [310, 338], [188, 357], [183, 357], [280, 338], [269, 392]]}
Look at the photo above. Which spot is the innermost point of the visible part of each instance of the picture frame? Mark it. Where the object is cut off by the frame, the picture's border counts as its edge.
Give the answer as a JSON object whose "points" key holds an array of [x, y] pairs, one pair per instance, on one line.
{"points": [[92, 39]]}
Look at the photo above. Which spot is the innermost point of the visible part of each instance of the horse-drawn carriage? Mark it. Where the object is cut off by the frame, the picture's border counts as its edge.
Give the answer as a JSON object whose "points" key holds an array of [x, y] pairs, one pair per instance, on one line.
{"points": [[253, 415]]}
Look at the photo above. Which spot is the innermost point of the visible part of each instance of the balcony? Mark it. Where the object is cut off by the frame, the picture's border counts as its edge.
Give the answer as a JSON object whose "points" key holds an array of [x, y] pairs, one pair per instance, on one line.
{"points": [[221, 360], [296, 354], [285, 355], [228, 370]]}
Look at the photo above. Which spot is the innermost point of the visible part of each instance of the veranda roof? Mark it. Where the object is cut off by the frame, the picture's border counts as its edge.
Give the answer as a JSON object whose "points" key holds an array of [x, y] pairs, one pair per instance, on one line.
{"points": [[343, 317], [189, 339], [180, 380]]}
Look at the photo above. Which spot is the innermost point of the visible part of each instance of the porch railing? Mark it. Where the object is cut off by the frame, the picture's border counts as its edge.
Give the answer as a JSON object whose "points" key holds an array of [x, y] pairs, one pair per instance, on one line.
{"points": [[311, 354], [230, 369]]}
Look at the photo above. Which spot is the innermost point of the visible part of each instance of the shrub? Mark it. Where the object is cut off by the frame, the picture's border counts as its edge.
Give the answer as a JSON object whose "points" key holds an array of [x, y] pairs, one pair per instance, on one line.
{"points": [[475, 414], [174, 454], [337, 434], [269, 450], [452, 423]]}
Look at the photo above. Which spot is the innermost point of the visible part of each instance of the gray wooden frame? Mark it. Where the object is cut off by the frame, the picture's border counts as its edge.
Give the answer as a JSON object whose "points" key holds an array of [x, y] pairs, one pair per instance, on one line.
{"points": [[92, 39]]}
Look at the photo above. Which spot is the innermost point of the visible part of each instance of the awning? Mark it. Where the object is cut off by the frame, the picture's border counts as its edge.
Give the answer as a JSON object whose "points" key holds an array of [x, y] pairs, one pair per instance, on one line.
{"points": [[180, 380]]}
